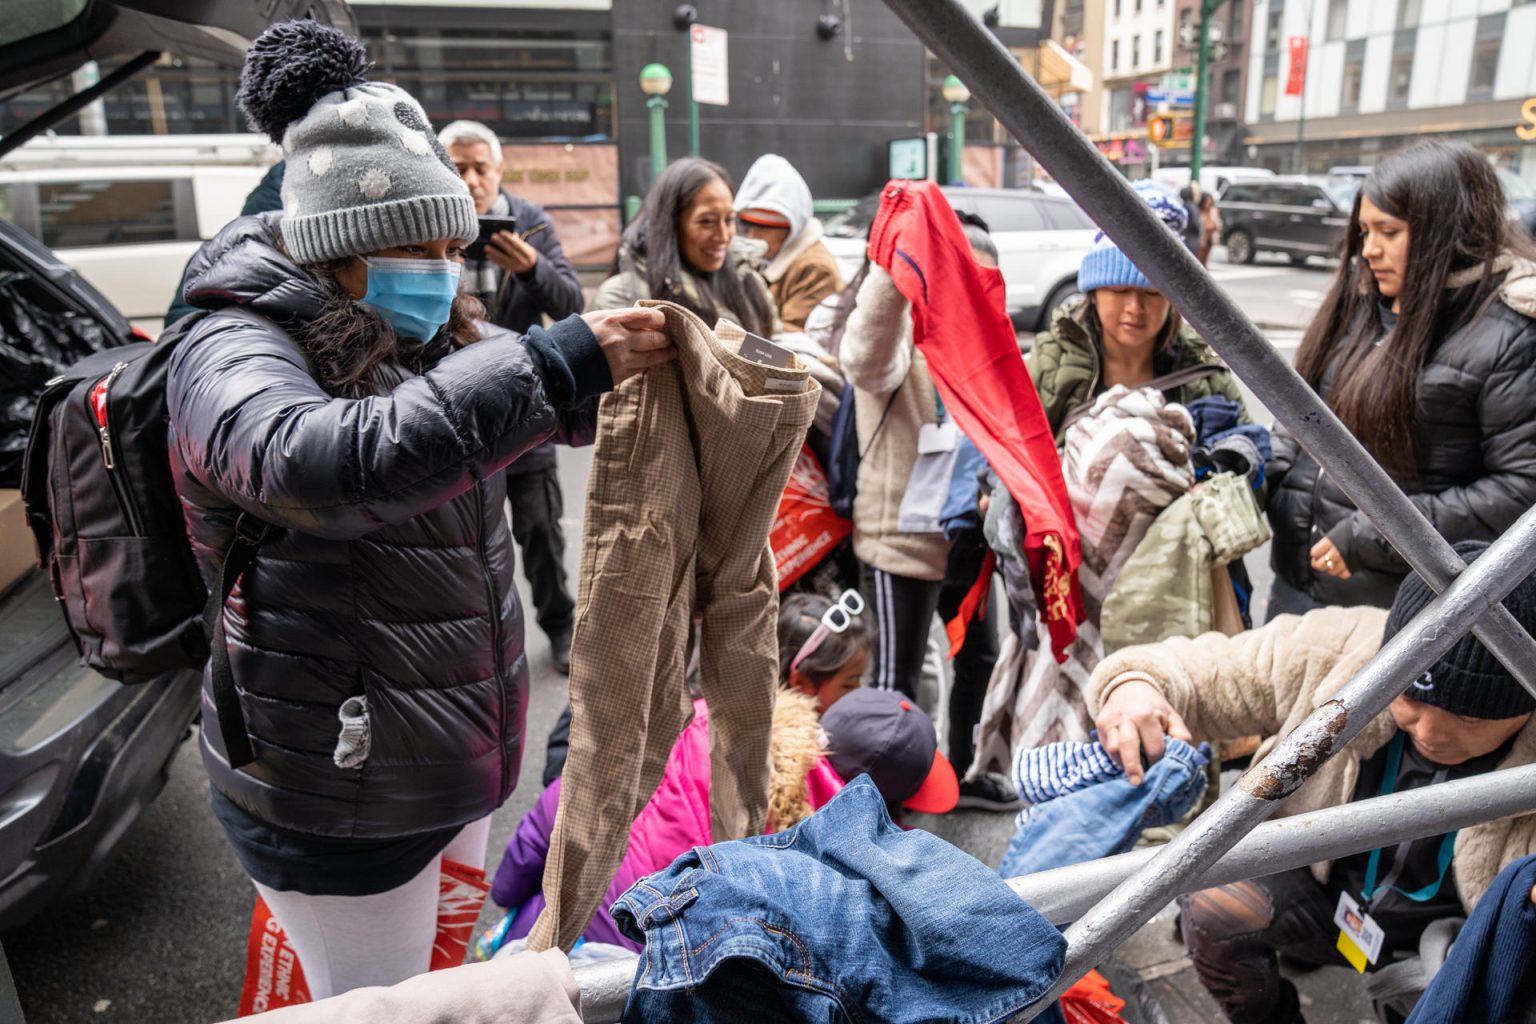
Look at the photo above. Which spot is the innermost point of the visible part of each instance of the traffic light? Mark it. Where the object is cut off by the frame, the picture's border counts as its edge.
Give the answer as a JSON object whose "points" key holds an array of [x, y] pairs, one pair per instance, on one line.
{"points": [[1160, 129]]}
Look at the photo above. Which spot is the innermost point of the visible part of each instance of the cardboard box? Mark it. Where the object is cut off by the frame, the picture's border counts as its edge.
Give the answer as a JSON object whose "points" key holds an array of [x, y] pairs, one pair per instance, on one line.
{"points": [[17, 552]]}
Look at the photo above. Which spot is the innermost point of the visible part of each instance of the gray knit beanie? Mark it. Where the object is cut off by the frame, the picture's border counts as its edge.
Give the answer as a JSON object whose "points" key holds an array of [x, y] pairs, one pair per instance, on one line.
{"points": [[364, 170]]}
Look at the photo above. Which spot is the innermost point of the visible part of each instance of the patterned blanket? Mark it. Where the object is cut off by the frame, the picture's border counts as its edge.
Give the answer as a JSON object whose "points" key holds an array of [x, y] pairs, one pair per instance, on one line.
{"points": [[1125, 461]]}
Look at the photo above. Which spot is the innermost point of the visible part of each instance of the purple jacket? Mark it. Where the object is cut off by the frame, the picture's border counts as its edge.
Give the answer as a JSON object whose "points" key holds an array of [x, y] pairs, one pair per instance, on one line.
{"points": [[676, 819]]}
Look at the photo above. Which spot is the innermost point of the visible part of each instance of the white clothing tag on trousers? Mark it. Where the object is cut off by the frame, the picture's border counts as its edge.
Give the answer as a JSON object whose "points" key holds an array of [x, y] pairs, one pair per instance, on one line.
{"points": [[935, 438]]}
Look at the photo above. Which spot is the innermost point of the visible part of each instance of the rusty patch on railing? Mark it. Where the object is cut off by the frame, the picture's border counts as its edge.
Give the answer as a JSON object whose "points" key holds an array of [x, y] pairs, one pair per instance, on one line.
{"points": [[1276, 781]]}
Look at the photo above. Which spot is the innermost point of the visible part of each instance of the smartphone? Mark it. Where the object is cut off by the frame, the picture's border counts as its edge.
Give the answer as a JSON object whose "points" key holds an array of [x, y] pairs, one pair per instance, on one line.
{"points": [[488, 227]]}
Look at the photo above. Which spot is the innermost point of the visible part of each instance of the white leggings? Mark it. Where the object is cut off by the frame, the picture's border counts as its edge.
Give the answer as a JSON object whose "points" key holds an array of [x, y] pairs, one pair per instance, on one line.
{"points": [[347, 942]]}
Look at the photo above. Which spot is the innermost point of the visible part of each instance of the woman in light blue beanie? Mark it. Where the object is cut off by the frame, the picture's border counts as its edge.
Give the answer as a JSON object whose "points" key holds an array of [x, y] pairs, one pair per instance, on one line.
{"points": [[347, 413], [1123, 331]]}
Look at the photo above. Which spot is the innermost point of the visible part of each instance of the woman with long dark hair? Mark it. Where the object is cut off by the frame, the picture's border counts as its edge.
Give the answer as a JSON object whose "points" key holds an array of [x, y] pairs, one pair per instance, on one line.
{"points": [[1426, 349], [345, 401], [683, 247]]}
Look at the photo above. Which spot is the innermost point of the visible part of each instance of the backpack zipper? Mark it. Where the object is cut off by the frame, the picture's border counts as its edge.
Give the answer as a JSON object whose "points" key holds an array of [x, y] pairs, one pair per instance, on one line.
{"points": [[98, 407]]}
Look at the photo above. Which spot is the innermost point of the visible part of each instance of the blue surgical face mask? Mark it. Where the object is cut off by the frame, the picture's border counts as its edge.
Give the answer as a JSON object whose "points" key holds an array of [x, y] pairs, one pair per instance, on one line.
{"points": [[414, 296]]}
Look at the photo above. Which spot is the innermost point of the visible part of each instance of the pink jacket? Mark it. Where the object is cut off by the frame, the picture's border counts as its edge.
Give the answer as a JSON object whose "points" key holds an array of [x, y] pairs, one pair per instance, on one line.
{"points": [[675, 820]]}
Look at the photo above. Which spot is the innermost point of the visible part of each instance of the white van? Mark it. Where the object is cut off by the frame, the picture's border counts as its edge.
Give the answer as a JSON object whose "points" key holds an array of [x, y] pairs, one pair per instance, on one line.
{"points": [[125, 217]]}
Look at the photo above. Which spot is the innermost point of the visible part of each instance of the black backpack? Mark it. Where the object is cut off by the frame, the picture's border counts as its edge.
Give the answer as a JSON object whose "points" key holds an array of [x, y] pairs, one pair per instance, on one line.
{"points": [[108, 525]]}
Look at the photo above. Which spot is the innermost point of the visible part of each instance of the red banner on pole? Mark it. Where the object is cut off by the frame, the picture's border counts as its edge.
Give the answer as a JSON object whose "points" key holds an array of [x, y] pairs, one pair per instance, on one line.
{"points": [[1297, 80]]}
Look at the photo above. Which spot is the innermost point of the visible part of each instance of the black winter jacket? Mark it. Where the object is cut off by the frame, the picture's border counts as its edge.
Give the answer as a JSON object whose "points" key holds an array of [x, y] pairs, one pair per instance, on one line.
{"points": [[389, 573], [1476, 443]]}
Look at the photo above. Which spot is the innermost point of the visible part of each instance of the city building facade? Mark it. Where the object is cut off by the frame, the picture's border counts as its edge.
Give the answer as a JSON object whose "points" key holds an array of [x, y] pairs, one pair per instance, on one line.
{"points": [[1380, 74]]}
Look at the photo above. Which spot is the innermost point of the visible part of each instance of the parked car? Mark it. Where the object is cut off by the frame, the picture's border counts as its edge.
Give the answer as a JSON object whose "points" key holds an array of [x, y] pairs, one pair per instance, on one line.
{"points": [[1213, 178], [1521, 198], [1041, 241], [1300, 217], [128, 230], [80, 755]]}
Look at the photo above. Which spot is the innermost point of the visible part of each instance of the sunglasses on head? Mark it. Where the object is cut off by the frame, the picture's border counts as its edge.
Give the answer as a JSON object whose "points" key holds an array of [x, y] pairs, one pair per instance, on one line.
{"points": [[835, 619]]}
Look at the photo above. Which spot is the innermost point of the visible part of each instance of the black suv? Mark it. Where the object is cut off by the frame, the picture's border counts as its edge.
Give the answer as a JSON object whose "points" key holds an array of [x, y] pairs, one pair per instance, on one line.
{"points": [[1299, 217]]}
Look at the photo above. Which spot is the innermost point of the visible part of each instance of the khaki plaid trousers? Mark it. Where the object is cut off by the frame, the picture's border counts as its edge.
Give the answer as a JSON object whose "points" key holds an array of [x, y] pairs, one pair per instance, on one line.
{"points": [[690, 463]]}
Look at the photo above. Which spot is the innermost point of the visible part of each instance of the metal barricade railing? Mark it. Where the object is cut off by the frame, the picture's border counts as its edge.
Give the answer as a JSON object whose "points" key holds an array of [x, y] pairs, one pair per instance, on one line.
{"points": [[1230, 840]]}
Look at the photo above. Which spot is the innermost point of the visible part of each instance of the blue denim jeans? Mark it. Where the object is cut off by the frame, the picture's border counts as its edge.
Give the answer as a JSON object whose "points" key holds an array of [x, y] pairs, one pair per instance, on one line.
{"points": [[1106, 818], [842, 918]]}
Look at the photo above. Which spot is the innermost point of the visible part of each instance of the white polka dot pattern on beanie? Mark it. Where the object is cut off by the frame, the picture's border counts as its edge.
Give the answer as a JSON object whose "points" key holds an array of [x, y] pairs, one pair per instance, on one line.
{"points": [[353, 113], [415, 142], [374, 184], [320, 161]]}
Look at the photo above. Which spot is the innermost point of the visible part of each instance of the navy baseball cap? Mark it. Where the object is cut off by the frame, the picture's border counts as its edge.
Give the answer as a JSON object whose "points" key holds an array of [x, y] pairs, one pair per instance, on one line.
{"points": [[883, 734]]}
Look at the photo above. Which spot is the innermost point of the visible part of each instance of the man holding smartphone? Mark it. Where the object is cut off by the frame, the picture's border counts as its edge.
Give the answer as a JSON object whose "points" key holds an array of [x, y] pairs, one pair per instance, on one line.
{"points": [[522, 275]]}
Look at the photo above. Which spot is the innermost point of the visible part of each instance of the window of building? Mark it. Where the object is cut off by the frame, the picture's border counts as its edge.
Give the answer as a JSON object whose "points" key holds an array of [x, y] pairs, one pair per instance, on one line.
{"points": [[1338, 19], [1157, 47], [1117, 8], [1138, 6], [1408, 13], [1135, 52], [1272, 28], [1231, 86], [1485, 56], [1235, 35], [1400, 77], [1354, 72], [1114, 55], [1267, 93]]}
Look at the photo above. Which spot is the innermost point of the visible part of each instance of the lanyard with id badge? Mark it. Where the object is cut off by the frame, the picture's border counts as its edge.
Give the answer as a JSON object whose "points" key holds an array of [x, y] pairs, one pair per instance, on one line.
{"points": [[1360, 937]]}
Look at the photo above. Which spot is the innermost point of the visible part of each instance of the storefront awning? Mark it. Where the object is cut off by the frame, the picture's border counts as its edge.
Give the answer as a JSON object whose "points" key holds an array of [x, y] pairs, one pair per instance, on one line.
{"points": [[1060, 72]]}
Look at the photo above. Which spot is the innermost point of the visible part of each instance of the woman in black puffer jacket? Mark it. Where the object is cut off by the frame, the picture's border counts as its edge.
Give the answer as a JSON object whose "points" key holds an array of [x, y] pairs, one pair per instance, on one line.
{"points": [[343, 393], [1426, 350]]}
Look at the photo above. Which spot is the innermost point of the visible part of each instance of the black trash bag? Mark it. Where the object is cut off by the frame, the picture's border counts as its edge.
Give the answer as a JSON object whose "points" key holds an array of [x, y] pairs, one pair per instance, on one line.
{"points": [[37, 342]]}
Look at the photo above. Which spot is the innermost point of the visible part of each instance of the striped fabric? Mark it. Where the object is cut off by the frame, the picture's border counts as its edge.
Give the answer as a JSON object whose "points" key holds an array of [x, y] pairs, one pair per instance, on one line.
{"points": [[1056, 769]]}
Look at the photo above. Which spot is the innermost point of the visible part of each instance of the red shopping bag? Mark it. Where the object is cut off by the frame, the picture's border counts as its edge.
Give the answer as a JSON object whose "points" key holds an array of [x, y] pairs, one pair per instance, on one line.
{"points": [[1091, 1002], [459, 900], [274, 977], [806, 529]]}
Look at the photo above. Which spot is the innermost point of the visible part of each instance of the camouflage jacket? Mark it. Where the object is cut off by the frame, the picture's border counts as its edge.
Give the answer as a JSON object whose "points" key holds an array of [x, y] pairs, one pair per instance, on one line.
{"points": [[1165, 589], [1066, 367]]}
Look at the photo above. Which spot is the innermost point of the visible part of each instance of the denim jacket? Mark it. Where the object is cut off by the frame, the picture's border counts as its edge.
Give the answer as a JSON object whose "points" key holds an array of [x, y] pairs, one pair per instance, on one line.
{"points": [[842, 918], [1101, 819]]}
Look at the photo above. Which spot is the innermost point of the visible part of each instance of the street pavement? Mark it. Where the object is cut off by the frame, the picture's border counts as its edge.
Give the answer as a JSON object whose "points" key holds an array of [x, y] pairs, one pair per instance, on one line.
{"points": [[161, 937]]}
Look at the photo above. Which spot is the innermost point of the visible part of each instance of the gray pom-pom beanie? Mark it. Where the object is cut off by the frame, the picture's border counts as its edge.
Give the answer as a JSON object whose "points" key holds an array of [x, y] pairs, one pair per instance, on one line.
{"points": [[364, 170]]}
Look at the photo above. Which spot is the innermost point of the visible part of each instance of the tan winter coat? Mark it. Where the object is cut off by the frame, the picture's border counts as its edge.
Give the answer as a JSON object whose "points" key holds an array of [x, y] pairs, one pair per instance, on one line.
{"points": [[1268, 680], [884, 366], [801, 275]]}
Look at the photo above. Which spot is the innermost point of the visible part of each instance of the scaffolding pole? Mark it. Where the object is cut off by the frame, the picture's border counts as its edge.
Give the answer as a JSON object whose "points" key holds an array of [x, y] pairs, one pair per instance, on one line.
{"points": [[997, 80], [1299, 754], [1062, 894]]}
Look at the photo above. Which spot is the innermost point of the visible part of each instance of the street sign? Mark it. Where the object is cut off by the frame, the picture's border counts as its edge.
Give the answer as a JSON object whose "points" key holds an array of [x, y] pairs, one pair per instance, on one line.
{"points": [[1178, 81], [711, 78], [907, 158], [1171, 98]]}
